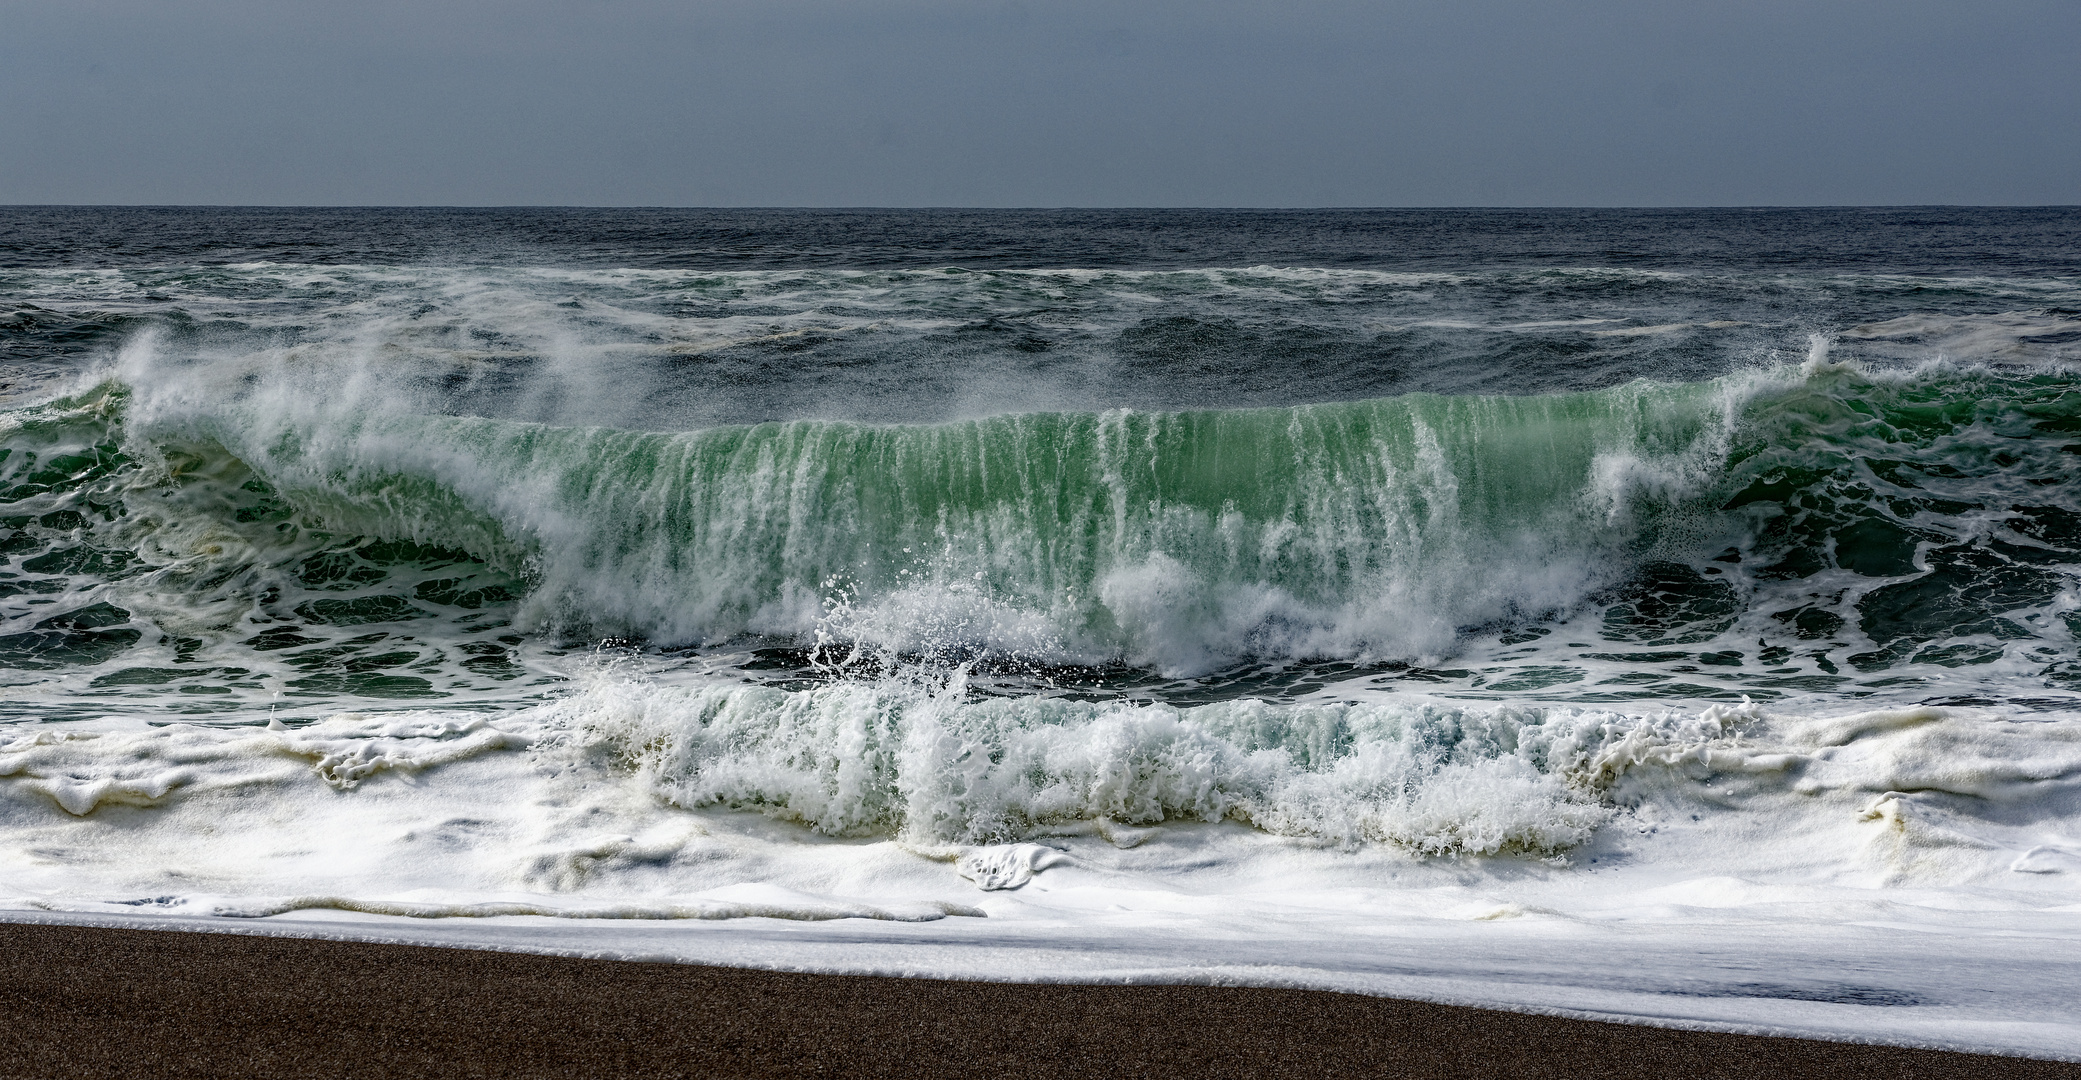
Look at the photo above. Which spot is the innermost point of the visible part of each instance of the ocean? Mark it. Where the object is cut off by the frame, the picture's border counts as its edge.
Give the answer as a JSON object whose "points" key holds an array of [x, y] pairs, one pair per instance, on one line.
{"points": [[1667, 615]]}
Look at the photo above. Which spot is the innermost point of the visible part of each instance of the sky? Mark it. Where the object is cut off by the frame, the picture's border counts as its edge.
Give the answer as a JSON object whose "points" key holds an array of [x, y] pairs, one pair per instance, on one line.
{"points": [[1040, 103]]}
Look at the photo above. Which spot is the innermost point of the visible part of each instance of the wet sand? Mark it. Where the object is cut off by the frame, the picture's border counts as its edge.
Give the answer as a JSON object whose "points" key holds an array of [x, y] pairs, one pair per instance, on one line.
{"points": [[87, 1002]]}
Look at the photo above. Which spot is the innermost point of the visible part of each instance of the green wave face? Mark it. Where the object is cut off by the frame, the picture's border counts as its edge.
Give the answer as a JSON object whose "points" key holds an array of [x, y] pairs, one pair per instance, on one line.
{"points": [[1801, 530], [1175, 540]]}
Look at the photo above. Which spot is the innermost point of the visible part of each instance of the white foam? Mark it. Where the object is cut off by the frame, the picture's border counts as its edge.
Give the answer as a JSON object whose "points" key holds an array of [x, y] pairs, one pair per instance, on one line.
{"points": [[920, 764], [1872, 875], [2003, 337]]}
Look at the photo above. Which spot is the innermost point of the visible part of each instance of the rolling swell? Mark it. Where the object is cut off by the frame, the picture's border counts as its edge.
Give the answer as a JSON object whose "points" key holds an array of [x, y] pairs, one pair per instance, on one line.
{"points": [[1818, 529]]}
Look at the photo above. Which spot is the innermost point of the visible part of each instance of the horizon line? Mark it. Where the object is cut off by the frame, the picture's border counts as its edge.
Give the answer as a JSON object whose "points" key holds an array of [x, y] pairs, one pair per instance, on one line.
{"points": [[872, 208]]}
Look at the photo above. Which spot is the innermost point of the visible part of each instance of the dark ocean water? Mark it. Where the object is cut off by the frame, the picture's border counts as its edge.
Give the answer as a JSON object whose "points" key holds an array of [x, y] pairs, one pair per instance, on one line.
{"points": [[258, 459], [1911, 240]]}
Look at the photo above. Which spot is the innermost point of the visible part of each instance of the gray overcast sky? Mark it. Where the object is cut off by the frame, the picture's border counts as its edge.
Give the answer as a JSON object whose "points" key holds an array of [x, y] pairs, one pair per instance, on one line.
{"points": [[1040, 103]]}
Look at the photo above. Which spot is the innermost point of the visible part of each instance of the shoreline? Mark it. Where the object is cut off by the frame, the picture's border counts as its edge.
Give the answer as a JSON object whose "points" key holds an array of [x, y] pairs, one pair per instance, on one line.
{"points": [[90, 1001]]}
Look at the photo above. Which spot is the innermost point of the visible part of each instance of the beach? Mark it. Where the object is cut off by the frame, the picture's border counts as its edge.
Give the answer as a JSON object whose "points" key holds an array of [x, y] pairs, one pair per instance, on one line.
{"points": [[97, 1002]]}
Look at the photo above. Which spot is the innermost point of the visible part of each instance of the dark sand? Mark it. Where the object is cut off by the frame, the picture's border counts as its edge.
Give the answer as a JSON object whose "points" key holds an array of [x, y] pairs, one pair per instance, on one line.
{"points": [[84, 1002]]}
